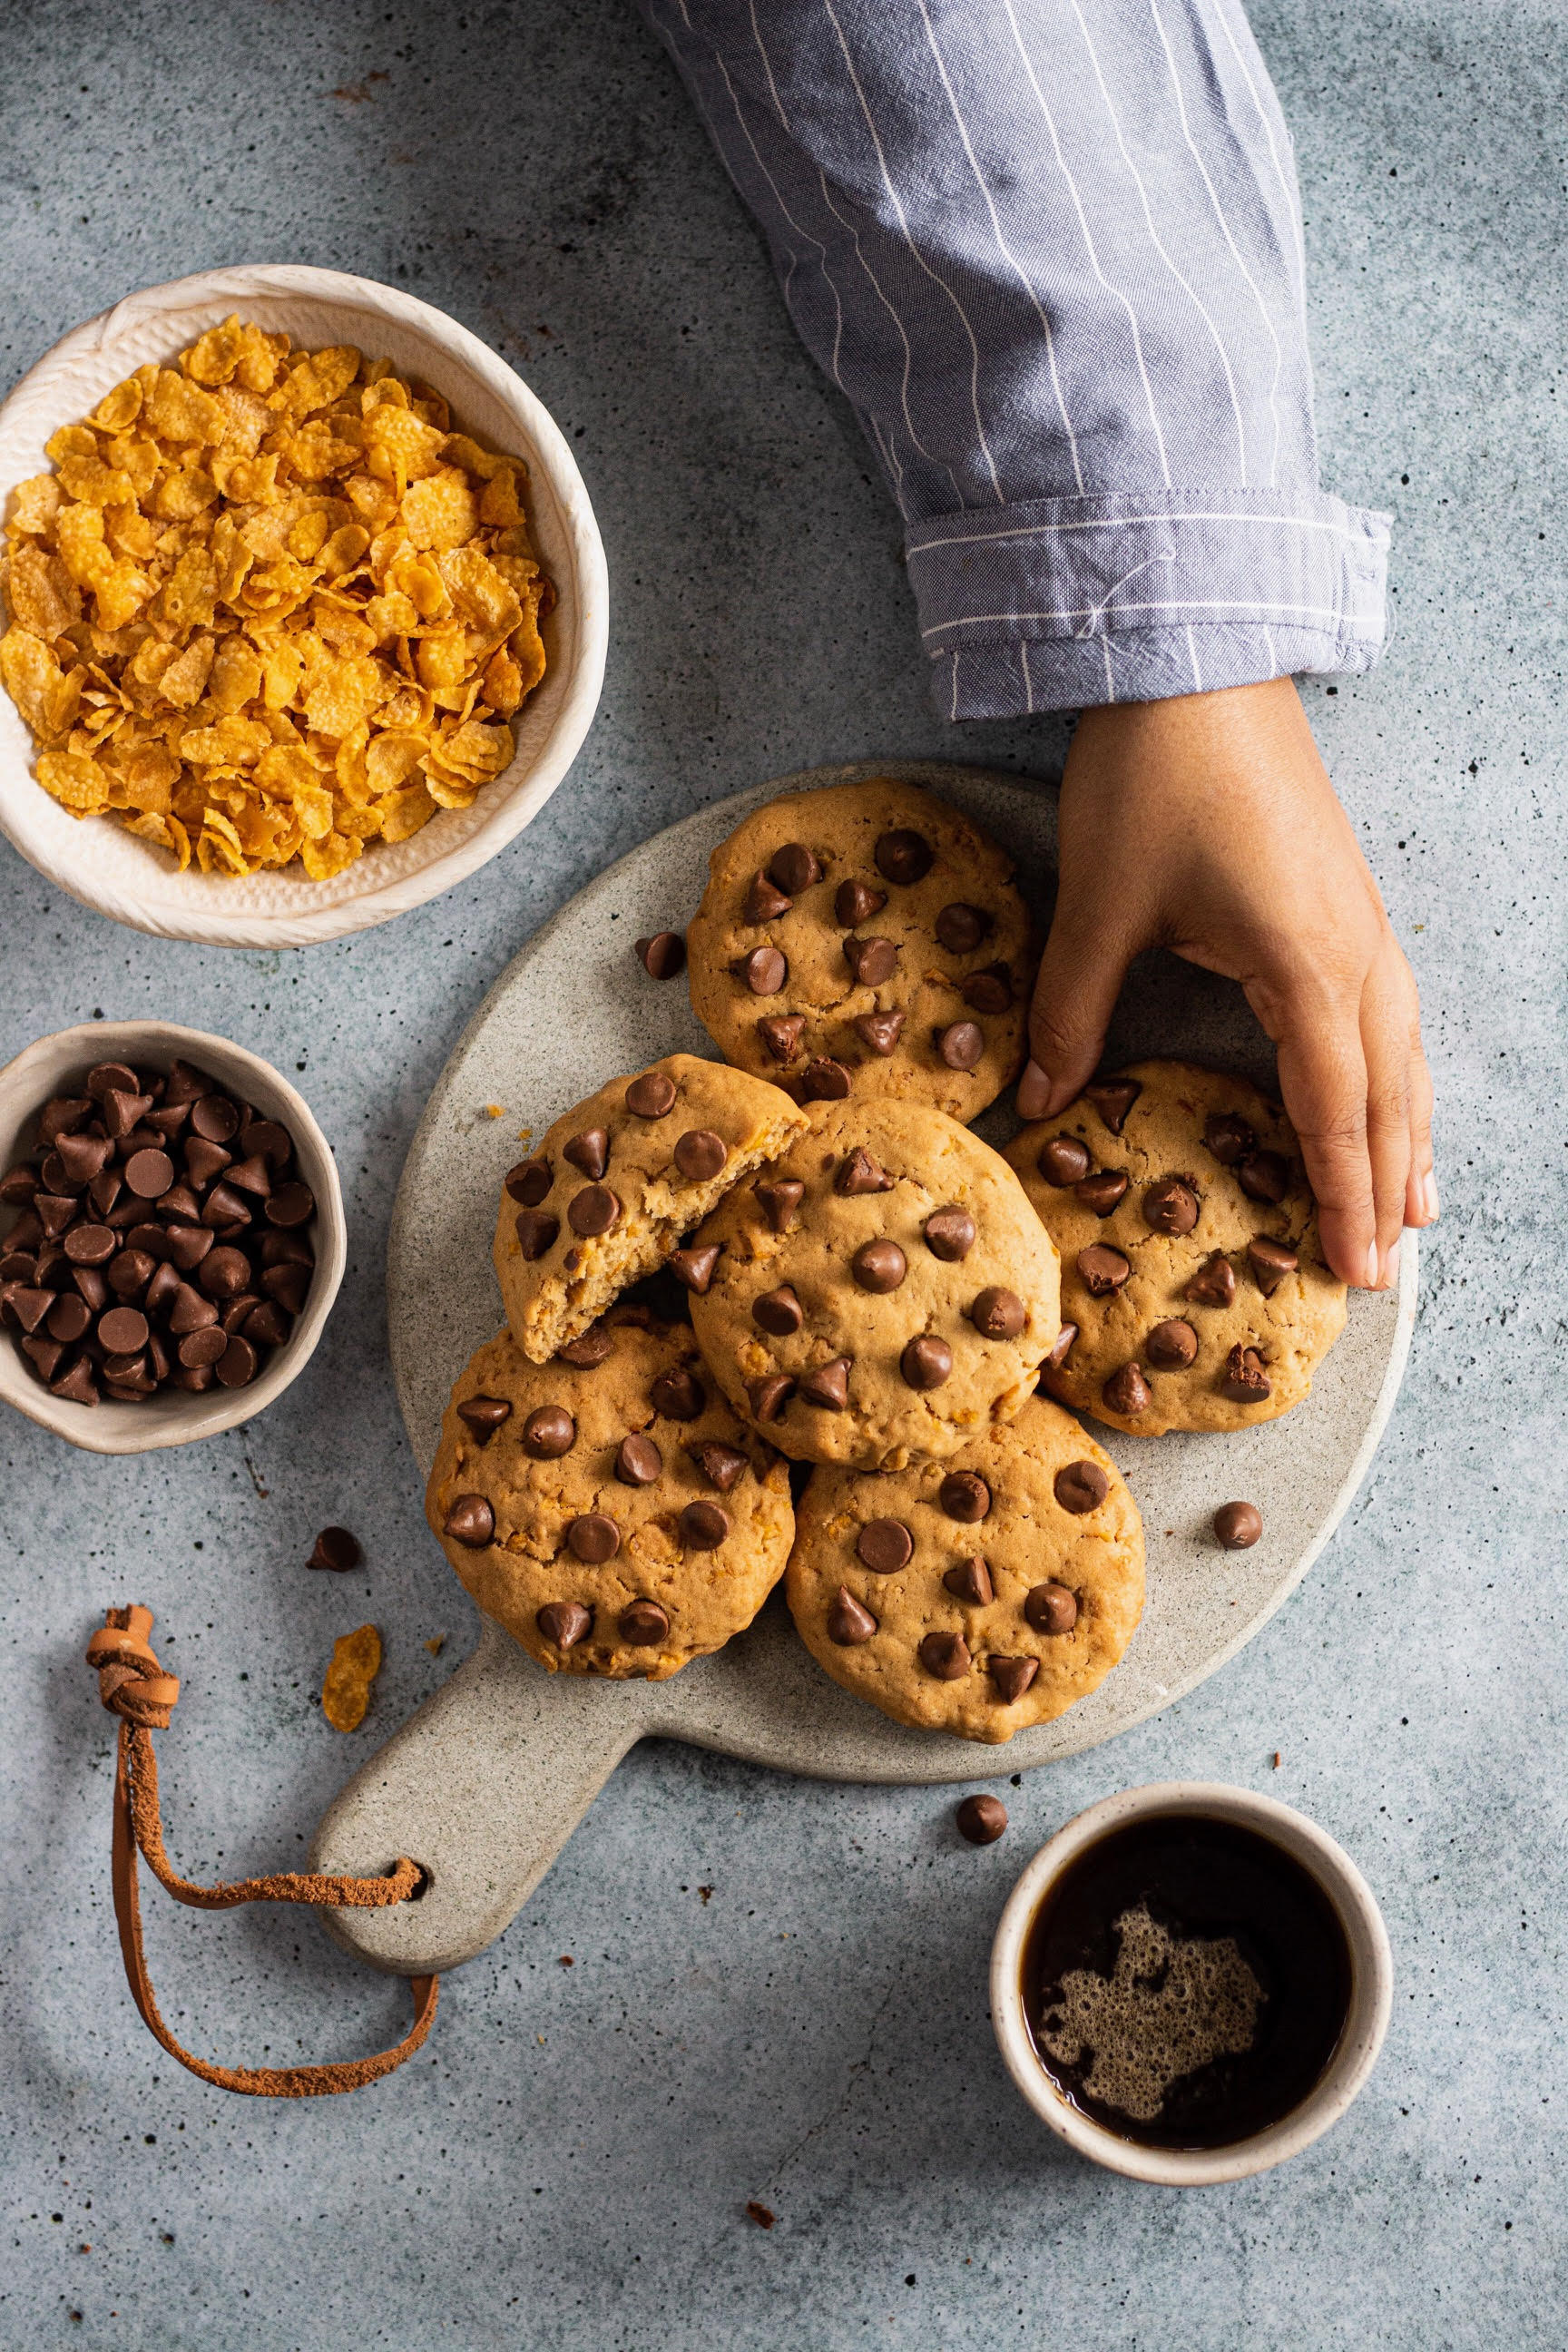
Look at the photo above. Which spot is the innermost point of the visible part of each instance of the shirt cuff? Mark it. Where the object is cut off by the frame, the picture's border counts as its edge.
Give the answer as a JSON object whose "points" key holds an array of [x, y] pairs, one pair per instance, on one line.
{"points": [[1062, 603]]}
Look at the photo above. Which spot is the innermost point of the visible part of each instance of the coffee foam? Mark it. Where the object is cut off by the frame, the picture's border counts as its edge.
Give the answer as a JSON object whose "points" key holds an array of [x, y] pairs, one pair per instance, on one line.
{"points": [[1171, 2005]]}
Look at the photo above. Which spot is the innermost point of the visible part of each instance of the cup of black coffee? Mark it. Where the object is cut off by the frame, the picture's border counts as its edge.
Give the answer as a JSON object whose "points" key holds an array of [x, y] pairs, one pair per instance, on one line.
{"points": [[1190, 1983]]}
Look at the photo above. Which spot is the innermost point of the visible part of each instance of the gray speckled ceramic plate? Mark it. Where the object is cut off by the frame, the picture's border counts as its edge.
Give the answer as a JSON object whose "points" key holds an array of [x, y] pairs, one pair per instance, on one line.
{"points": [[488, 1779]]}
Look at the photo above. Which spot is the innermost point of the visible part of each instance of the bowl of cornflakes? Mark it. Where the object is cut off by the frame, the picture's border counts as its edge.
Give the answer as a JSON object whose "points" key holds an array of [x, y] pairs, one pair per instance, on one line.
{"points": [[305, 607]]}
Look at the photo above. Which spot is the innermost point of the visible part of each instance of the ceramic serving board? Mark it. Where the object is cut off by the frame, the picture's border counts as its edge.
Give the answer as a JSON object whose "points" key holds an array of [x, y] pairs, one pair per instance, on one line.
{"points": [[488, 1780]]}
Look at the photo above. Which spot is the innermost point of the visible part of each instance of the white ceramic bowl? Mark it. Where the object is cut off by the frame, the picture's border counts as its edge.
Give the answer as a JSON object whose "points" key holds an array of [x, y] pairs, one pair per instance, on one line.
{"points": [[95, 860], [1355, 2055], [172, 1417]]}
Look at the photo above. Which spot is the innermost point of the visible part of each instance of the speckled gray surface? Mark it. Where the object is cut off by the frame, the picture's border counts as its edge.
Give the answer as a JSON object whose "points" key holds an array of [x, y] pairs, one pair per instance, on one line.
{"points": [[565, 2165]]}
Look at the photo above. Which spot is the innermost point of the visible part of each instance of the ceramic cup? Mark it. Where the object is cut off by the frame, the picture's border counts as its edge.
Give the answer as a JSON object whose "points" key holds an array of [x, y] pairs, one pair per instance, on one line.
{"points": [[1355, 2055], [172, 1417]]}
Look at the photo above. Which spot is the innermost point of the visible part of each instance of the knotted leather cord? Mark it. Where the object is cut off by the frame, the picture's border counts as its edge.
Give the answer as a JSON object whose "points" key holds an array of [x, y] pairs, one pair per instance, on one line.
{"points": [[133, 1686]]}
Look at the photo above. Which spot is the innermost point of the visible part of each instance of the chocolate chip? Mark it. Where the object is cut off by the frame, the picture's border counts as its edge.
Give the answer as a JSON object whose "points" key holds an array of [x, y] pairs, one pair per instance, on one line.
{"points": [[246, 1176], [180, 1205], [564, 1622], [529, 1182], [548, 1432], [1080, 1486], [266, 1326], [990, 991], [1102, 1269], [765, 902], [121, 1112], [678, 1394], [1113, 1098], [638, 1461], [1245, 1380], [203, 1349], [650, 1095], [663, 955], [165, 1283], [971, 1582], [484, 1415], [961, 1045], [55, 1211], [903, 855], [1264, 1176], [1011, 1677], [964, 1496], [764, 971], [1051, 1609], [643, 1624], [128, 1273], [720, 1463], [224, 1271], [205, 1161], [105, 1190], [825, 1081], [769, 1397], [1171, 1346], [780, 1034], [593, 1537], [778, 1311], [265, 1139], [884, 1546], [588, 1349], [290, 1206], [1169, 1206], [1102, 1192], [336, 1551], [215, 1116], [857, 902], [828, 1385], [1238, 1526], [45, 1356], [880, 1031], [982, 1819], [90, 1244], [590, 1151], [82, 1156], [62, 1114], [189, 1311], [185, 1085], [961, 928], [1065, 1161], [779, 1201], [945, 1656], [124, 1330], [703, 1526], [18, 1185], [69, 1318], [286, 1284], [949, 1233], [1228, 1137], [926, 1361], [859, 1173], [849, 1623], [998, 1314], [78, 1384], [536, 1232], [694, 1268], [878, 1267], [113, 1077], [233, 1316], [1213, 1284], [873, 961], [1127, 1391], [193, 1377], [1270, 1262], [699, 1154], [794, 869]]}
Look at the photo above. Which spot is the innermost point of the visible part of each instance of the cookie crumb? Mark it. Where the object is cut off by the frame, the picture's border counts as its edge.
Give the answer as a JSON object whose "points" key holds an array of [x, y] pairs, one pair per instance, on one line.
{"points": [[1277, 1760], [706, 1893], [760, 2215], [567, 1961], [435, 1644], [495, 1110]]}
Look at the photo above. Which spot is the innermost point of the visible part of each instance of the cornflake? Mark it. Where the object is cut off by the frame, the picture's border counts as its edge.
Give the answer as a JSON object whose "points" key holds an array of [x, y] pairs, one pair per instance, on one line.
{"points": [[270, 607]]}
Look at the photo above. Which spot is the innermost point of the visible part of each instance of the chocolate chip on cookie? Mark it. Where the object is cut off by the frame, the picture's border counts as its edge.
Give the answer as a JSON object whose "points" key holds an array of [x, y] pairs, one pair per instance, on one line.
{"points": [[537, 1231], [764, 971], [1171, 1345], [884, 1546], [694, 1268], [638, 1461], [470, 1521], [1064, 1161], [873, 961], [765, 902], [780, 1202], [1264, 1176], [860, 1172], [826, 1080], [794, 868], [781, 1032], [880, 1031], [950, 1234], [961, 1045], [849, 1623], [563, 1623], [1270, 1260], [970, 1580], [1061, 1347], [878, 1267], [1080, 1486], [699, 1154], [1051, 1609], [1011, 1677], [590, 1151], [703, 1526], [1244, 1379], [484, 1415], [856, 902], [926, 1361], [1127, 1391], [778, 1312], [903, 855], [998, 1314], [990, 991], [964, 1496], [960, 927], [1228, 1137], [1113, 1098], [590, 1349], [720, 1463], [828, 1385], [768, 1398], [1102, 1191], [1102, 1269], [945, 1656], [529, 1182], [592, 1210], [1169, 1206], [651, 1095], [547, 1434], [644, 1624], [677, 1395], [1214, 1284], [594, 1538]]}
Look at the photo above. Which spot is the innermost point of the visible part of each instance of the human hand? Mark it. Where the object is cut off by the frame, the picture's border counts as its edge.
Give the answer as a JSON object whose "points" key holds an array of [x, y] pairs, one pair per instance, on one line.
{"points": [[1207, 825]]}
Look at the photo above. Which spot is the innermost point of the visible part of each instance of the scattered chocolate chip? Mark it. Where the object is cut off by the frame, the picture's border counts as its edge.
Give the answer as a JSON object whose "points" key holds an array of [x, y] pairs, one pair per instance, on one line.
{"points": [[1244, 1379], [1080, 1486], [1238, 1526], [971, 1581], [828, 1385], [650, 1095], [703, 1526], [982, 1819], [960, 928], [699, 1154], [1064, 1161], [998, 1314], [880, 1031], [760, 2214], [678, 1394], [1169, 1206], [1102, 1192], [720, 1463], [590, 1151], [644, 1624], [878, 1267], [1113, 1098], [548, 1432], [536, 1232], [926, 1361], [529, 1182], [470, 1522], [961, 1045], [564, 1622], [588, 1349], [945, 1656], [764, 971], [1228, 1137], [858, 1172], [884, 1546], [1171, 1346], [1102, 1269], [765, 902], [1213, 1284], [1127, 1391], [769, 1397], [849, 1623], [904, 857], [694, 1268], [1011, 1677], [663, 955], [638, 1461], [337, 1550], [594, 1538], [794, 869], [780, 1201], [1270, 1262], [824, 1080], [857, 902], [949, 1234], [873, 961], [780, 1034], [1264, 1176], [964, 1496], [778, 1311], [1051, 1609]]}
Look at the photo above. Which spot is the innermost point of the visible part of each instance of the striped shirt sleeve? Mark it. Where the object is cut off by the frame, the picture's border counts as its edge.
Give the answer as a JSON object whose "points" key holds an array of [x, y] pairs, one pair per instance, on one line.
{"points": [[1051, 252]]}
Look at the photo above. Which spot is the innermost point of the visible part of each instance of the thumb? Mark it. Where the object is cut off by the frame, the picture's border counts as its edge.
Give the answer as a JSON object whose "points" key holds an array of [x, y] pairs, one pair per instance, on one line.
{"points": [[1079, 979]]}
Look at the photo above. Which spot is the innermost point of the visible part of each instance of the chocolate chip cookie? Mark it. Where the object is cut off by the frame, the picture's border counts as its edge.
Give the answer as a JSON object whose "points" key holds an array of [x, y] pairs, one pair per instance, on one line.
{"points": [[880, 1292], [1194, 1290], [978, 1594], [865, 941], [607, 1509], [616, 1184]]}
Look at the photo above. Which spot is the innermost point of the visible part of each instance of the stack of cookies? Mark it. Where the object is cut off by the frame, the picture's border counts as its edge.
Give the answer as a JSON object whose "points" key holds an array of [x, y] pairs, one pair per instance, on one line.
{"points": [[860, 1372]]}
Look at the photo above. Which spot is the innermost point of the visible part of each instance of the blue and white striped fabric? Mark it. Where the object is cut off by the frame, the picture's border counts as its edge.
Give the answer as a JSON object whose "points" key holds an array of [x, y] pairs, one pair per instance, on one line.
{"points": [[1051, 251]]}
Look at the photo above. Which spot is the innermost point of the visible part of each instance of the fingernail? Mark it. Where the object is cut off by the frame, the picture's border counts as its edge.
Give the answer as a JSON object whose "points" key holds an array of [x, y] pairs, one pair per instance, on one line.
{"points": [[1391, 1266], [1369, 1279], [1034, 1092], [1429, 1197]]}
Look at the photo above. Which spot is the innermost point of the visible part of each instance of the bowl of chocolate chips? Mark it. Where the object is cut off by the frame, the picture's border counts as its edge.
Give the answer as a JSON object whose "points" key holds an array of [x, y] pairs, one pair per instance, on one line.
{"points": [[172, 1235]]}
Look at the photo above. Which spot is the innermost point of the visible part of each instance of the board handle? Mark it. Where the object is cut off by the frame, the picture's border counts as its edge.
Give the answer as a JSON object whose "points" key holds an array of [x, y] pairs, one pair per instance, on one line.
{"points": [[483, 1788]]}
